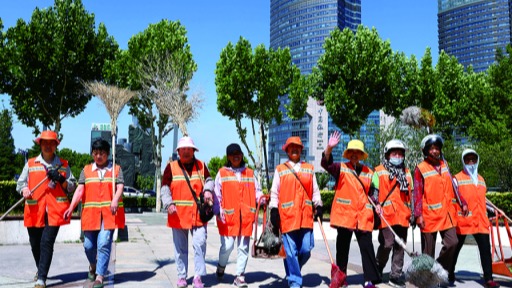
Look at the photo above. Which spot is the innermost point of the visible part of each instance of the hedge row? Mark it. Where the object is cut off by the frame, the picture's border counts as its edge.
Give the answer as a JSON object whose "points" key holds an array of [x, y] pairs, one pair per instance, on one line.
{"points": [[9, 196]]}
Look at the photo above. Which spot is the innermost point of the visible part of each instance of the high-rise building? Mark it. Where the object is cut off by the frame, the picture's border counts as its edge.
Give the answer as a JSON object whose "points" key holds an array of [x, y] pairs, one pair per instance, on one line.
{"points": [[303, 26], [472, 30]]}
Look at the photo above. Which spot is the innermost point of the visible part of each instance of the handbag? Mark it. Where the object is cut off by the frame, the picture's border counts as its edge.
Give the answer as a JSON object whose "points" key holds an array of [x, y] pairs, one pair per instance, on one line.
{"points": [[269, 245], [205, 209]]}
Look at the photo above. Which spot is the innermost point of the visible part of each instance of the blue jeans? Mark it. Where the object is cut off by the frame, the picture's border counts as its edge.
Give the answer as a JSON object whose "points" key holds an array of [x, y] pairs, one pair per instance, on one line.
{"points": [[297, 245], [98, 245]]}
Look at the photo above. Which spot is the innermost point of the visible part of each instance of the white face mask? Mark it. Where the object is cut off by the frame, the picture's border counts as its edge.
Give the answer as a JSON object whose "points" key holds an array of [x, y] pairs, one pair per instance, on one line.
{"points": [[471, 168], [396, 161]]}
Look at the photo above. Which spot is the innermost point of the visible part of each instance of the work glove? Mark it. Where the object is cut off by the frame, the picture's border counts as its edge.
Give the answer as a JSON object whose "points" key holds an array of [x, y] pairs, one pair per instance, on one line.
{"points": [[54, 175], [319, 213], [274, 220]]}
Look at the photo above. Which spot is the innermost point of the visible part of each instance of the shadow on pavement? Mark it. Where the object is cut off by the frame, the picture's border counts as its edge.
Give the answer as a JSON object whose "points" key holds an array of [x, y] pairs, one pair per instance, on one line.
{"points": [[135, 276]]}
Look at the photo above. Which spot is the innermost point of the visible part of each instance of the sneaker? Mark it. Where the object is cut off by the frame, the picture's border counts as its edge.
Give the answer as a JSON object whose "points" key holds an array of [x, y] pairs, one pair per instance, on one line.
{"points": [[97, 284], [491, 284], [240, 282], [91, 275], [197, 283], [182, 283], [369, 284], [220, 272], [396, 282], [36, 277]]}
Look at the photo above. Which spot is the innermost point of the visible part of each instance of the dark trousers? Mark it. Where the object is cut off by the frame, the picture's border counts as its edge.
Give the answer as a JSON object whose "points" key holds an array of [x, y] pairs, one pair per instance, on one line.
{"points": [[387, 243], [484, 247], [364, 240], [447, 254], [42, 241]]}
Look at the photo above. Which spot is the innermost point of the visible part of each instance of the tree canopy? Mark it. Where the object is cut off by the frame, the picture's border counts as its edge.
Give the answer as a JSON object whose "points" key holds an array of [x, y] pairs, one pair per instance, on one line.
{"points": [[249, 85], [47, 58]]}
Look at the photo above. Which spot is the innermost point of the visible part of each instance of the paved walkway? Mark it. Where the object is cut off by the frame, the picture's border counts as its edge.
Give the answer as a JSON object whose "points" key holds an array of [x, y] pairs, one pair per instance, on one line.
{"points": [[146, 259]]}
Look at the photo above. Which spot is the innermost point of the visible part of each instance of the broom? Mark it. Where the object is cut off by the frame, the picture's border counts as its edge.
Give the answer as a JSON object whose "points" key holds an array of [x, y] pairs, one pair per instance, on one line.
{"points": [[338, 277], [423, 271]]}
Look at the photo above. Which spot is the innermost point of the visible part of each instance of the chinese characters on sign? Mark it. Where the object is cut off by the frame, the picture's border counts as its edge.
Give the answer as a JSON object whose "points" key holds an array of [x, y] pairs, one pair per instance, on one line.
{"points": [[320, 128]]}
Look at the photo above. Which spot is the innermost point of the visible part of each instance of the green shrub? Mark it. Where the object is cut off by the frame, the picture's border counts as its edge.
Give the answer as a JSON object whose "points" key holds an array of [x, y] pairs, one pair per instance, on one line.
{"points": [[145, 203], [502, 200], [9, 196]]}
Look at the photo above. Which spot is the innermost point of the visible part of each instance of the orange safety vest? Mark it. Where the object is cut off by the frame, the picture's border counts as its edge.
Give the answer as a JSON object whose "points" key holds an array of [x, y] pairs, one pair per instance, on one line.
{"points": [[438, 196], [295, 203], [187, 215], [96, 201], [477, 220], [351, 208], [238, 202], [397, 208], [45, 199]]}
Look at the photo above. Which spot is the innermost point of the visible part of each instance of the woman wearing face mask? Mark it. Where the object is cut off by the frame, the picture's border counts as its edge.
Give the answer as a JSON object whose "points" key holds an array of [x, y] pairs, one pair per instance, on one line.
{"points": [[391, 188], [472, 187]]}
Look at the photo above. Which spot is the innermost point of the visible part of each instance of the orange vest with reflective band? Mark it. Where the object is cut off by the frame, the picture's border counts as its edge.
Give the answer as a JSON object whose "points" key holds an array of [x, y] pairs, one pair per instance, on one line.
{"points": [[96, 201], [477, 220], [351, 208], [44, 198], [438, 196], [187, 215], [295, 204], [238, 202], [397, 208]]}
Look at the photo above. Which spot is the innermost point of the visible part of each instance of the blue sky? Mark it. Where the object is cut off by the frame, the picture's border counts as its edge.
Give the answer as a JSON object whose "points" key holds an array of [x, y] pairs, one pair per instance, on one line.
{"points": [[410, 26]]}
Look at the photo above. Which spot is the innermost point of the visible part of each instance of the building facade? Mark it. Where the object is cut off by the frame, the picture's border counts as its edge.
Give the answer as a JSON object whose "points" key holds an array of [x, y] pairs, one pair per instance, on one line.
{"points": [[134, 155], [302, 26], [472, 30]]}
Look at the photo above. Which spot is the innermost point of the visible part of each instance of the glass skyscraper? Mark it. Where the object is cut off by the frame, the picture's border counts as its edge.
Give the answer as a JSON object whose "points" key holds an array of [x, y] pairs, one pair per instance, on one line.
{"points": [[472, 30], [303, 25]]}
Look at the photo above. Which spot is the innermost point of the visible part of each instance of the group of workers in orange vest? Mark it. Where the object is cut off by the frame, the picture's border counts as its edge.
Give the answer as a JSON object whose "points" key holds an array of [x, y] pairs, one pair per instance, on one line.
{"points": [[430, 198]]}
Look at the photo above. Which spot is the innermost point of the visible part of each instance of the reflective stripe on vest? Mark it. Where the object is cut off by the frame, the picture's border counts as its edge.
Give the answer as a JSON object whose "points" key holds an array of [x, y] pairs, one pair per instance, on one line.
{"points": [[97, 199], [238, 202], [45, 200], [295, 203], [438, 210], [351, 199]]}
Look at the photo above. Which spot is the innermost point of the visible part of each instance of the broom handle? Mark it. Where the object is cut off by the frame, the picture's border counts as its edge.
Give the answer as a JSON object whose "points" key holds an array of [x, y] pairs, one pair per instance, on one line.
{"points": [[397, 238], [498, 209], [325, 239], [22, 199]]}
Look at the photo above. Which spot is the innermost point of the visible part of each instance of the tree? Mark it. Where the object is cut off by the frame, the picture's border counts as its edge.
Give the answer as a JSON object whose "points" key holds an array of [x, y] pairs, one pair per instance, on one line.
{"points": [[249, 84], [76, 161], [354, 76], [7, 153], [48, 58], [160, 66], [215, 164]]}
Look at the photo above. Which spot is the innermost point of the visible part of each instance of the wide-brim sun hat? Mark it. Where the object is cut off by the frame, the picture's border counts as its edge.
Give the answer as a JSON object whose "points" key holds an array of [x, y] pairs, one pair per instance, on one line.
{"points": [[47, 135], [186, 142], [292, 140], [355, 145]]}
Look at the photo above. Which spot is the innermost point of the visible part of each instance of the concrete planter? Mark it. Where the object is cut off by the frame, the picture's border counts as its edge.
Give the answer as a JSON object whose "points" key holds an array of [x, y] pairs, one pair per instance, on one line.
{"points": [[12, 232]]}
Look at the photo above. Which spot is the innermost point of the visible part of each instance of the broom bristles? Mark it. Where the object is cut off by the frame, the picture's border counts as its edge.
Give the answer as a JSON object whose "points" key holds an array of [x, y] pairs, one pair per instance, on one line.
{"points": [[337, 277], [424, 272]]}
